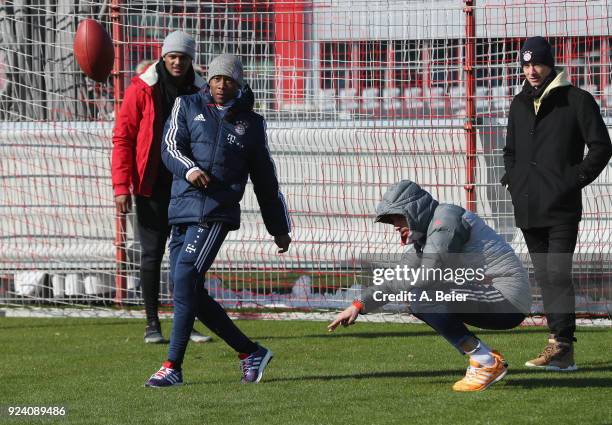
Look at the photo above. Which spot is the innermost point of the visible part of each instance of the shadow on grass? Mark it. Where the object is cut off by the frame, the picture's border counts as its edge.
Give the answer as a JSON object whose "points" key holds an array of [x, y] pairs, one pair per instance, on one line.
{"points": [[58, 324], [591, 367], [367, 335], [340, 333], [537, 330], [559, 381], [374, 375], [549, 379]]}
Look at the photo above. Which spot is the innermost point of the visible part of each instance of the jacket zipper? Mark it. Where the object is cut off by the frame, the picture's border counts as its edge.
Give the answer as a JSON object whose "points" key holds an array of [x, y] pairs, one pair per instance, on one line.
{"points": [[212, 162]]}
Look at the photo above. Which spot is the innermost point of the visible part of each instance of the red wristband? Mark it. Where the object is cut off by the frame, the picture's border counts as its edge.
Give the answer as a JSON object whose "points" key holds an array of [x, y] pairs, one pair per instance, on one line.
{"points": [[358, 304]]}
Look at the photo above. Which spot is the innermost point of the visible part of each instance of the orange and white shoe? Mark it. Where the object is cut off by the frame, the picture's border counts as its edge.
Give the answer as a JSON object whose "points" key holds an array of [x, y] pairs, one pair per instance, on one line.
{"points": [[478, 377]]}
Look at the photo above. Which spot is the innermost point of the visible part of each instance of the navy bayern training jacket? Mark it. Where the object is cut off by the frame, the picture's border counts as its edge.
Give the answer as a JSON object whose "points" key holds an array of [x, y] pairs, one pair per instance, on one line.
{"points": [[196, 135]]}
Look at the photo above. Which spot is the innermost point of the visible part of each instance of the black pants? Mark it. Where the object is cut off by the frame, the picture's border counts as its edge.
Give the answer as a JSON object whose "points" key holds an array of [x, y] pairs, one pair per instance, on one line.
{"points": [[153, 231], [551, 250]]}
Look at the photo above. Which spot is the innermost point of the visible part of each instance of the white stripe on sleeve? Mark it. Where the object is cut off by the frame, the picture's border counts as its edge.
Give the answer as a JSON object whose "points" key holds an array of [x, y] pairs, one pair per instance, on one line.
{"points": [[170, 138]]}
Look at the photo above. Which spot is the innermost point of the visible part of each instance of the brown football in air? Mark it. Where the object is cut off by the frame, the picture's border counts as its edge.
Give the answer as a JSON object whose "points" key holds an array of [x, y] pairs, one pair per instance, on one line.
{"points": [[93, 49]]}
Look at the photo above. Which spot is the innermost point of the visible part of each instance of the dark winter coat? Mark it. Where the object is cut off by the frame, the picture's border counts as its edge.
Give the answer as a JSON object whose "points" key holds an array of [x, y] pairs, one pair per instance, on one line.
{"points": [[196, 136], [544, 154]]}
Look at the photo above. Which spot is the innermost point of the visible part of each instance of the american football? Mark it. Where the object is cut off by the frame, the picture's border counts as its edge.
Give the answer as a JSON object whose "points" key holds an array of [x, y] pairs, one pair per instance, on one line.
{"points": [[93, 49]]}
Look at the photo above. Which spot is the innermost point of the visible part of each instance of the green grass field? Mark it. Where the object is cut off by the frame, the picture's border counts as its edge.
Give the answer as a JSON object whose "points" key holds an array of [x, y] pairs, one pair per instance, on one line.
{"points": [[367, 374]]}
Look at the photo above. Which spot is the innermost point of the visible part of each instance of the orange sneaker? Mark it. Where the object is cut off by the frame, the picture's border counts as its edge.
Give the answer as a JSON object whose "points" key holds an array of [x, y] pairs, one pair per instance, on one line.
{"points": [[478, 377]]}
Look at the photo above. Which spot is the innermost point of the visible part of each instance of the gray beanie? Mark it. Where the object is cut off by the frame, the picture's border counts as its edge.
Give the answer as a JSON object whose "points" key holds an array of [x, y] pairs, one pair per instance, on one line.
{"points": [[179, 42], [227, 65]]}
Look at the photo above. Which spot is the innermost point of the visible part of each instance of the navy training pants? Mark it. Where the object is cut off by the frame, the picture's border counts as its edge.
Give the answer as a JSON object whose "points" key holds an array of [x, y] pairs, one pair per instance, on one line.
{"points": [[193, 249]]}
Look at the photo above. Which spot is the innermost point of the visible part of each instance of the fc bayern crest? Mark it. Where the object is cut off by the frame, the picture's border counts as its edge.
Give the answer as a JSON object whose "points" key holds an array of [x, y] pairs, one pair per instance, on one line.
{"points": [[241, 128], [527, 56]]}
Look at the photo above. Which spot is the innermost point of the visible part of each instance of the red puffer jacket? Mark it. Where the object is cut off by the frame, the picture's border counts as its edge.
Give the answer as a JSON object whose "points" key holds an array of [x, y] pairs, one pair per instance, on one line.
{"points": [[137, 135]]}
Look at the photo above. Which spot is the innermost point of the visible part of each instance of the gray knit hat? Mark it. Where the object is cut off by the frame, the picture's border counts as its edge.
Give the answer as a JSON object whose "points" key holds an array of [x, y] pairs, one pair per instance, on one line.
{"points": [[179, 42], [227, 65]]}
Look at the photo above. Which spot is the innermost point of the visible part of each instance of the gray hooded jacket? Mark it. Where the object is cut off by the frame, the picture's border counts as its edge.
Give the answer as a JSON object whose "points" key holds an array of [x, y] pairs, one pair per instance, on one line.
{"points": [[453, 237]]}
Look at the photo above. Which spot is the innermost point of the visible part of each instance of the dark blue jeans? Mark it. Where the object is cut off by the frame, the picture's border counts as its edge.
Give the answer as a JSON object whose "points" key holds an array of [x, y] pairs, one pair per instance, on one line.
{"points": [[484, 308], [193, 249]]}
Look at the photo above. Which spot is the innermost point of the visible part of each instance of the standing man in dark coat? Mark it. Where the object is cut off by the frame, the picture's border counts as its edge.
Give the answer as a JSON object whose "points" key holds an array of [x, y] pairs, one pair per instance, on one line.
{"points": [[550, 123]]}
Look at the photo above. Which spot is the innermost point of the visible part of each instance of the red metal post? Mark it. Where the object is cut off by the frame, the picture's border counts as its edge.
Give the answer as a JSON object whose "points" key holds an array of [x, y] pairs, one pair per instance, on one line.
{"points": [[604, 58], [470, 108], [118, 89], [289, 53]]}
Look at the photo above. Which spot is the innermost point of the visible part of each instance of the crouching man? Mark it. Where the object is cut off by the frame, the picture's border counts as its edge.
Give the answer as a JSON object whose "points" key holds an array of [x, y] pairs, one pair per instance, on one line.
{"points": [[448, 238]]}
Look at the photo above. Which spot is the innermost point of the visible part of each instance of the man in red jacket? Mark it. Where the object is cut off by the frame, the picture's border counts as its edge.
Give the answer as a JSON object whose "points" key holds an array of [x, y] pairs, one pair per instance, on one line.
{"points": [[137, 165]]}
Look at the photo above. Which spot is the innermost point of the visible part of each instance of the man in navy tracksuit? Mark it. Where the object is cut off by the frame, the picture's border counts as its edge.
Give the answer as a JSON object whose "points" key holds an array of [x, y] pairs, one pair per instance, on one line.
{"points": [[212, 144]]}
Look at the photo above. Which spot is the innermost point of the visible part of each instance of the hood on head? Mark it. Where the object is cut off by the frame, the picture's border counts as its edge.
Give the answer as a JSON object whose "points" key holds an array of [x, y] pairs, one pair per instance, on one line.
{"points": [[408, 199]]}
